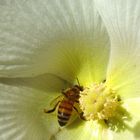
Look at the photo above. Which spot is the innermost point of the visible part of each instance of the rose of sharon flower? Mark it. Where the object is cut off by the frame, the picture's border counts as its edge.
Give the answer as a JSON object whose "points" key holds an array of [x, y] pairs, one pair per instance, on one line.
{"points": [[46, 45]]}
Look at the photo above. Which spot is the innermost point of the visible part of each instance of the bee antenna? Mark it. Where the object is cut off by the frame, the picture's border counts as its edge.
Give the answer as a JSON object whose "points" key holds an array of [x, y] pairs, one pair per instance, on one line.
{"points": [[78, 81]]}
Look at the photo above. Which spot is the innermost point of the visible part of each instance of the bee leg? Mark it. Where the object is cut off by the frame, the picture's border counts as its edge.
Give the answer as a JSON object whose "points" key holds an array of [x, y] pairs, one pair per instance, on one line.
{"points": [[63, 92], [51, 110], [80, 114], [77, 101], [104, 81]]}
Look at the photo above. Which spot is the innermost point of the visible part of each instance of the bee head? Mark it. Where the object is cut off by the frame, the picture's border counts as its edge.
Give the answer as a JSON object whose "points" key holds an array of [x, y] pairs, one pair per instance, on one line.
{"points": [[80, 88]]}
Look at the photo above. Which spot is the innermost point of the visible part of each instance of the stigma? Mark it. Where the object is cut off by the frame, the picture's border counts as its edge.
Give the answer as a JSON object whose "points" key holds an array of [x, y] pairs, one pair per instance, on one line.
{"points": [[99, 102]]}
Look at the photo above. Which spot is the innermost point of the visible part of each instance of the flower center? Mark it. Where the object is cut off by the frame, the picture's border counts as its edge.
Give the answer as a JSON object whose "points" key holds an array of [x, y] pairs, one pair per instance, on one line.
{"points": [[99, 102]]}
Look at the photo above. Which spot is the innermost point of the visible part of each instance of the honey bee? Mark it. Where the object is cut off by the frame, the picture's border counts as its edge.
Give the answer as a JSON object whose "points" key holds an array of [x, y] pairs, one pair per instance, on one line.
{"points": [[66, 104]]}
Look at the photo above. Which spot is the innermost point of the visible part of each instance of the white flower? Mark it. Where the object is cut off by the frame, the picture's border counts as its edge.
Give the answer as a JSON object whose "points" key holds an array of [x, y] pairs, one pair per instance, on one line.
{"points": [[46, 44]]}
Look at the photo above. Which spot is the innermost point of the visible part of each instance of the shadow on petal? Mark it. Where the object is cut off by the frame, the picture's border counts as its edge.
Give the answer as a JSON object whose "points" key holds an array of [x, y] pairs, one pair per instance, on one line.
{"points": [[75, 123], [118, 122], [46, 82], [136, 130]]}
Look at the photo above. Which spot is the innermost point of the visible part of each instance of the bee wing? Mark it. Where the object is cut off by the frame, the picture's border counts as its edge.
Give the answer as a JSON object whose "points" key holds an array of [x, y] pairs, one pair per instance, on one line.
{"points": [[56, 100]]}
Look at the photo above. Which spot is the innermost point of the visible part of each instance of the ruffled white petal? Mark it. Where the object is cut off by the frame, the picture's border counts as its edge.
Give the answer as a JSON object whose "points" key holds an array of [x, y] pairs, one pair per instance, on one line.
{"points": [[52, 36], [132, 132], [122, 21], [22, 107]]}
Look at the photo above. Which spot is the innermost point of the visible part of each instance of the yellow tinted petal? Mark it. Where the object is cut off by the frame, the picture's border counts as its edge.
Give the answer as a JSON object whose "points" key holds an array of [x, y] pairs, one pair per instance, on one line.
{"points": [[133, 127], [22, 104], [86, 130], [52, 36], [122, 22]]}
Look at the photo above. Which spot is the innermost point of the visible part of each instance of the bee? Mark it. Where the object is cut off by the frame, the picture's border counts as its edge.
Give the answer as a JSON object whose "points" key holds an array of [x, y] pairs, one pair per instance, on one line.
{"points": [[66, 104]]}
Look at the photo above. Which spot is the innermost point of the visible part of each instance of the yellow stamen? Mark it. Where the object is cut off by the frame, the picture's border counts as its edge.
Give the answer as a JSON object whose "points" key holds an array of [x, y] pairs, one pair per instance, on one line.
{"points": [[99, 102]]}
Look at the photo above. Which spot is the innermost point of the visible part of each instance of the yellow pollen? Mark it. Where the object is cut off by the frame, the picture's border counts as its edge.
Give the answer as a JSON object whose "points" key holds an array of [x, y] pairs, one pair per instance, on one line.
{"points": [[99, 102]]}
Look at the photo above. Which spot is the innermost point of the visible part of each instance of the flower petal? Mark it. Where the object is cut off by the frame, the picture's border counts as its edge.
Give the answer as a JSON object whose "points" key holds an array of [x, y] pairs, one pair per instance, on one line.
{"points": [[51, 36], [85, 131], [122, 22], [21, 109], [132, 133]]}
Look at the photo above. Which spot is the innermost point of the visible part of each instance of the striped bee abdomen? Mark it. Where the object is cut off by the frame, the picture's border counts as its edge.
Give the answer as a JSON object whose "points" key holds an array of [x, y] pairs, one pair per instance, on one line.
{"points": [[64, 112]]}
